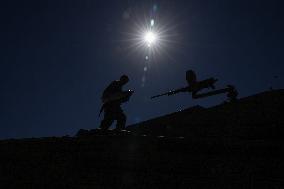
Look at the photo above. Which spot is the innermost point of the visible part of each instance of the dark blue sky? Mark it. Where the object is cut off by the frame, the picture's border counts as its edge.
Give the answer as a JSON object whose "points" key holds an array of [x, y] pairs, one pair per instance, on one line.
{"points": [[58, 56]]}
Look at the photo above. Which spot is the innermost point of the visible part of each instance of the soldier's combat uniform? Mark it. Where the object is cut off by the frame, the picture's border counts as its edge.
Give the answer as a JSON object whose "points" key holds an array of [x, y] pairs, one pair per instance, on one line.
{"points": [[112, 109], [195, 85]]}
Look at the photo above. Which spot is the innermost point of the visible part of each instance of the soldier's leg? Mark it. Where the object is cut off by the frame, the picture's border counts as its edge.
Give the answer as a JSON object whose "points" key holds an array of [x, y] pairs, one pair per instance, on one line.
{"points": [[105, 124], [107, 121], [121, 120]]}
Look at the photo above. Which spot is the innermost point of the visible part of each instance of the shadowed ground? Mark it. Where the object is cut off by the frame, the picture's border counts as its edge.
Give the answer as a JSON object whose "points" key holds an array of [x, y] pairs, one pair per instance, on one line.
{"points": [[237, 145]]}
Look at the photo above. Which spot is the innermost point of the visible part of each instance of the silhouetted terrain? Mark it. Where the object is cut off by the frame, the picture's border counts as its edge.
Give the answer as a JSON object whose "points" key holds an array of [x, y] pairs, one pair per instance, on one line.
{"points": [[232, 145], [257, 116]]}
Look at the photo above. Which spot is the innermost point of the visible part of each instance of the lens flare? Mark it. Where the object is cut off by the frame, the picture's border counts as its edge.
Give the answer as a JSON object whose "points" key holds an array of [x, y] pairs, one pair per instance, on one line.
{"points": [[151, 37]]}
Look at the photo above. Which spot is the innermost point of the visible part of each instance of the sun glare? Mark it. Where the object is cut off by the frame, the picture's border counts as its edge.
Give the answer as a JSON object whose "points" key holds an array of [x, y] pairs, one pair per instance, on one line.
{"points": [[150, 38]]}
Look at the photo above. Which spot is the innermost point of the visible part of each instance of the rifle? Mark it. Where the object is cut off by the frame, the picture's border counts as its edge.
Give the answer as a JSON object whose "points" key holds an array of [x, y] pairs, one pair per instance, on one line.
{"points": [[199, 85], [232, 93], [184, 89]]}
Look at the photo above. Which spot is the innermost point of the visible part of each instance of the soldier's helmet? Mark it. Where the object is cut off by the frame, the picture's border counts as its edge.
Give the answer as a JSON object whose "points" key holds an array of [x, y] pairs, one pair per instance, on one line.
{"points": [[190, 76], [124, 79]]}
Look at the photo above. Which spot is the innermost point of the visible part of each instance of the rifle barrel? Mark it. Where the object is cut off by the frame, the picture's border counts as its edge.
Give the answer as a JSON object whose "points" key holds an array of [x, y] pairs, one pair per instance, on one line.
{"points": [[172, 92], [159, 95]]}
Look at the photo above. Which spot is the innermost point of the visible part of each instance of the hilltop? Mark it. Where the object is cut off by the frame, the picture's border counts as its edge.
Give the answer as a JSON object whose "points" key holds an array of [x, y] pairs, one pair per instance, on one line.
{"points": [[257, 116], [232, 145]]}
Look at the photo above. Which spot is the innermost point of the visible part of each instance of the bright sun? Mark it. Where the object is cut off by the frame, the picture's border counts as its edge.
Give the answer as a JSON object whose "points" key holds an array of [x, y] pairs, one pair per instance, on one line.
{"points": [[150, 38]]}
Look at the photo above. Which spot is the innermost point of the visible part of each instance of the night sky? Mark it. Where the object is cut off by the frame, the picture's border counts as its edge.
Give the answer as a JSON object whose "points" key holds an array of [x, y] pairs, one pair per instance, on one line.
{"points": [[58, 56]]}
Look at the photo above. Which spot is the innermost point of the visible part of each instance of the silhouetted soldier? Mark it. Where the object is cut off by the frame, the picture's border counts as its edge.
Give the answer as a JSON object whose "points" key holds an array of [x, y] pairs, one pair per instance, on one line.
{"points": [[195, 86], [113, 97]]}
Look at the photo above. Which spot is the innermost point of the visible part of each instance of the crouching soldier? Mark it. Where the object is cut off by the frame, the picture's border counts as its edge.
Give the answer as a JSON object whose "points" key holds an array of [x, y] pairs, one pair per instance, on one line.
{"points": [[112, 98]]}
